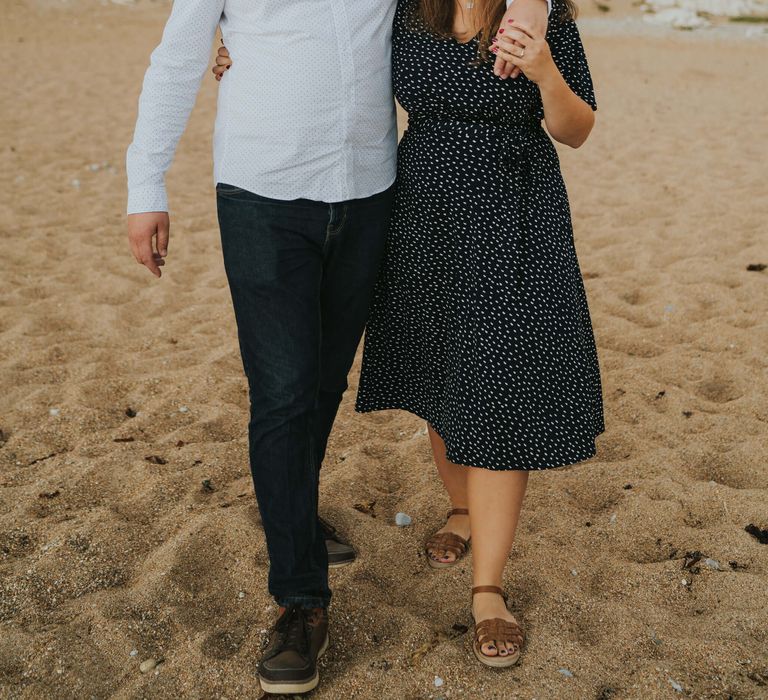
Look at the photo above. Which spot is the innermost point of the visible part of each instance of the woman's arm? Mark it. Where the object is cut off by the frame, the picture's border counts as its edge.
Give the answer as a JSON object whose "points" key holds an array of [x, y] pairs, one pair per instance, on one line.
{"points": [[569, 119]]}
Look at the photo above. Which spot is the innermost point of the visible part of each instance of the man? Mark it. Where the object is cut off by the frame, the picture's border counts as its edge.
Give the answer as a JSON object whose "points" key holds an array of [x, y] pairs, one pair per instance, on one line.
{"points": [[304, 161]]}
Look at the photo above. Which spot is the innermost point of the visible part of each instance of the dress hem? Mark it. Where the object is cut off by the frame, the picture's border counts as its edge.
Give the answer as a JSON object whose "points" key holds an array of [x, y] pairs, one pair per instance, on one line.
{"points": [[456, 458]]}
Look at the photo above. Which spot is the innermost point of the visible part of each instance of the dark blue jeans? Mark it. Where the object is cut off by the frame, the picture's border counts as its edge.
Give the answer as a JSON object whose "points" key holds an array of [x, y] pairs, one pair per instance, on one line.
{"points": [[301, 275]]}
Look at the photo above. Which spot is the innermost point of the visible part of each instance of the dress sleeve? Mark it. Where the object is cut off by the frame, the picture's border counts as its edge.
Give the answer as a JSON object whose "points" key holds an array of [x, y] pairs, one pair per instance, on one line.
{"points": [[569, 56]]}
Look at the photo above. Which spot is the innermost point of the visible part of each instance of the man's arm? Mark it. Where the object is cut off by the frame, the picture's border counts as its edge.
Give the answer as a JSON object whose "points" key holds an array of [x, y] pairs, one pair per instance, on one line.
{"points": [[170, 87], [530, 12]]}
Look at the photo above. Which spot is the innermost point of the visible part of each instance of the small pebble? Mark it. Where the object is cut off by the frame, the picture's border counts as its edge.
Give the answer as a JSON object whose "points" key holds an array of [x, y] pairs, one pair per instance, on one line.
{"points": [[684, 582], [676, 685], [183, 409], [438, 682], [613, 518], [134, 652], [241, 595], [565, 672], [54, 411], [402, 520], [147, 665], [712, 564], [75, 183]]}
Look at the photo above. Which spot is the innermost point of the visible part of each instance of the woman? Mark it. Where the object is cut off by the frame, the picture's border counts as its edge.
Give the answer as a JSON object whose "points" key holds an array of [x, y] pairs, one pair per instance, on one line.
{"points": [[480, 323]]}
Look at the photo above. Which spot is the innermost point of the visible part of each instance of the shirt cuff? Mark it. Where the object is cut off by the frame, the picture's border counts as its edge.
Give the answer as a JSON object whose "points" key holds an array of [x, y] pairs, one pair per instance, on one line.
{"points": [[549, 5], [147, 198]]}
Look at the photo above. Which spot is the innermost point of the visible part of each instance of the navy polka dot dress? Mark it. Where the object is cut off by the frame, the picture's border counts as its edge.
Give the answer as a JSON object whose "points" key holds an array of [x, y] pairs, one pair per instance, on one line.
{"points": [[480, 322]]}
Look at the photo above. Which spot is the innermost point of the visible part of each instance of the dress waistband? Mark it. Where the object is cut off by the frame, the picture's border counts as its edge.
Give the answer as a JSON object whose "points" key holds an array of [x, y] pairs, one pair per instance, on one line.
{"points": [[419, 121]]}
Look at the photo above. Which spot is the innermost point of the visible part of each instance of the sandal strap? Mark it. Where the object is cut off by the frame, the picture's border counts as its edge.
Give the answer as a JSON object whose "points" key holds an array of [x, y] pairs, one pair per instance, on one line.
{"points": [[490, 589], [458, 511], [448, 541], [499, 630]]}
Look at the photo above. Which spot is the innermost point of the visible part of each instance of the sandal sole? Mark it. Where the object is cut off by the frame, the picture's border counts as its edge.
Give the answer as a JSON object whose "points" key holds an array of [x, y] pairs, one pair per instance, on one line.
{"points": [[496, 661]]}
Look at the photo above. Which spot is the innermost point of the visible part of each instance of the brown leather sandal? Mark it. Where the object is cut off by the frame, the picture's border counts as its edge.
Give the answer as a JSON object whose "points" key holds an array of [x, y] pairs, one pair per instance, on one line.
{"points": [[449, 542], [497, 630]]}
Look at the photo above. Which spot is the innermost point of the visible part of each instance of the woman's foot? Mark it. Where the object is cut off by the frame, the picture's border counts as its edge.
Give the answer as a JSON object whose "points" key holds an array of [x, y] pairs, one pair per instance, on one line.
{"points": [[451, 541], [498, 636]]}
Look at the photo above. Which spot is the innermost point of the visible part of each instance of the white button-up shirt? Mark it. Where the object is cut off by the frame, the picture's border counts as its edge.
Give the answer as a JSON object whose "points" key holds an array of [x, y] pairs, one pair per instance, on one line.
{"points": [[306, 111]]}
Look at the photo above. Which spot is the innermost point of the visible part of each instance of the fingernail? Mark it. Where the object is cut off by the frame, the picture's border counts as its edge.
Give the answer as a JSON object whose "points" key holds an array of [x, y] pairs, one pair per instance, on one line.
{"points": [[510, 20], [494, 40], [501, 31]]}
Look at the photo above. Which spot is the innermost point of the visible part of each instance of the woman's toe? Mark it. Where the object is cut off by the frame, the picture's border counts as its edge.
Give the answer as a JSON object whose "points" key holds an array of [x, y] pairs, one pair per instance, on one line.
{"points": [[489, 649], [503, 649]]}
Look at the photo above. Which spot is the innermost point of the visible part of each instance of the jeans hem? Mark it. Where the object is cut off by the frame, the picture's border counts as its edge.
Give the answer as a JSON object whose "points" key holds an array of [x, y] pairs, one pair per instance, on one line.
{"points": [[305, 601]]}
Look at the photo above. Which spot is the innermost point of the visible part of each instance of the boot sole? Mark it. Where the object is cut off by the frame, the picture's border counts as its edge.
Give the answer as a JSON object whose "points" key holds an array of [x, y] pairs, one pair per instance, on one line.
{"points": [[339, 564], [294, 687]]}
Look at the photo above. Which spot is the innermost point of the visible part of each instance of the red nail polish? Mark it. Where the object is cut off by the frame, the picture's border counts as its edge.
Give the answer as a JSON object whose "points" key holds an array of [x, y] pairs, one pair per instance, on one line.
{"points": [[494, 40], [501, 31]]}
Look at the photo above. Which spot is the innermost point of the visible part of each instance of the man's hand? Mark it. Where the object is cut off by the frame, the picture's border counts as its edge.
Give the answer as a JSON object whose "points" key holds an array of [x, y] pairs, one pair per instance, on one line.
{"points": [[142, 229], [533, 14]]}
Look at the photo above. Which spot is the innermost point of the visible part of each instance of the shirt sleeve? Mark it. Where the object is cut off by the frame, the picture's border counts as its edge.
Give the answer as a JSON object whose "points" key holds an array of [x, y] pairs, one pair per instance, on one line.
{"points": [[569, 56], [170, 88], [549, 5]]}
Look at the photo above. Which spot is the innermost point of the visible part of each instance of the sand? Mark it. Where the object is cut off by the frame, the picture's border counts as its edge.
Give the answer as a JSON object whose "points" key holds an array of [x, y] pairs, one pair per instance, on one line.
{"points": [[112, 549]]}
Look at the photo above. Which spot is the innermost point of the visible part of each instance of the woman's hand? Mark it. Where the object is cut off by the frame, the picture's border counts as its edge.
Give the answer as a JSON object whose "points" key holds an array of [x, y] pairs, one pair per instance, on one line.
{"points": [[532, 13], [223, 63], [526, 49]]}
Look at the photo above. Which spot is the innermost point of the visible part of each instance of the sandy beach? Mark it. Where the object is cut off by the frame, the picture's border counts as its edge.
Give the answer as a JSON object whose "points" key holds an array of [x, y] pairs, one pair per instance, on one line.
{"points": [[128, 527]]}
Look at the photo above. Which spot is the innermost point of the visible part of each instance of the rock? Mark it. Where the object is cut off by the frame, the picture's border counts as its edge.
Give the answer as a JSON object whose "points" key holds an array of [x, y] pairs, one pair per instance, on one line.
{"points": [[147, 665], [403, 520], [678, 18], [208, 486], [183, 409], [675, 685], [565, 672], [438, 682], [712, 564], [241, 595], [760, 535], [612, 519], [366, 507], [691, 559], [54, 411], [134, 652], [76, 183]]}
